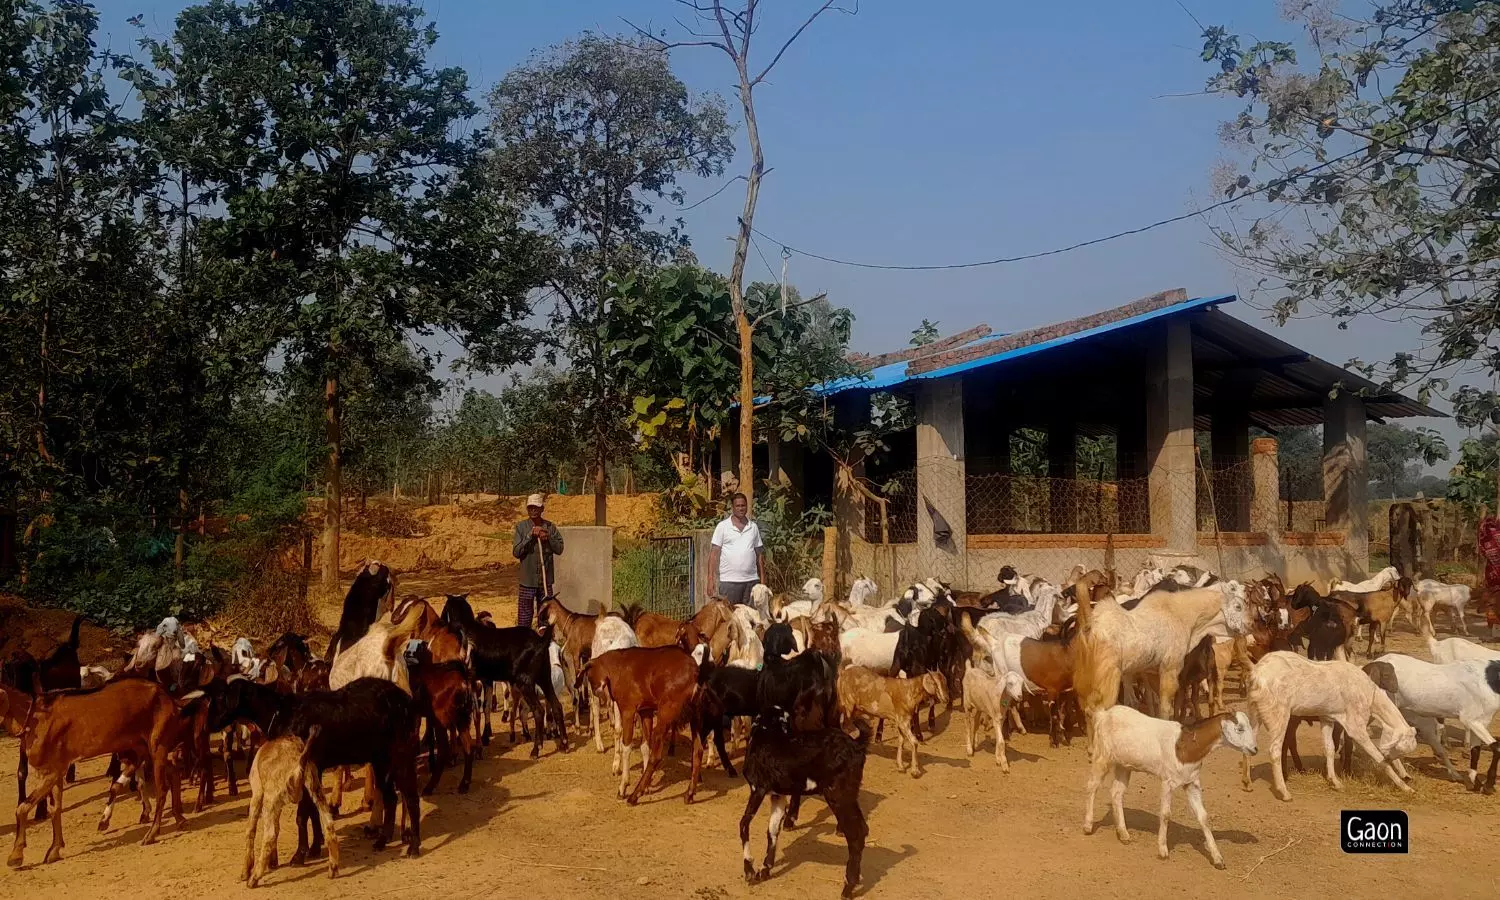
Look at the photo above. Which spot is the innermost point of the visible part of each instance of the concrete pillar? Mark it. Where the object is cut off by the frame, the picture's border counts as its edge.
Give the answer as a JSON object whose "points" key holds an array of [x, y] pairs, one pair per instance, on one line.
{"points": [[1231, 458], [940, 478], [1169, 437], [1265, 488], [1345, 476], [1062, 467]]}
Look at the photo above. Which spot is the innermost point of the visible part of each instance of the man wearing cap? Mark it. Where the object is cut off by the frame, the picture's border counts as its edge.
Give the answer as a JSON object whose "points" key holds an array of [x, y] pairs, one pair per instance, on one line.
{"points": [[536, 542], [736, 555]]}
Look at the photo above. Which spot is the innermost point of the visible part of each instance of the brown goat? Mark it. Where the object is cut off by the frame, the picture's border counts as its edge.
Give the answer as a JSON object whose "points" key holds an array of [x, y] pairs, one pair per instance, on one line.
{"points": [[657, 684], [864, 692], [825, 639], [444, 697], [282, 771], [651, 629], [1198, 666], [713, 625], [1049, 666], [130, 716]]}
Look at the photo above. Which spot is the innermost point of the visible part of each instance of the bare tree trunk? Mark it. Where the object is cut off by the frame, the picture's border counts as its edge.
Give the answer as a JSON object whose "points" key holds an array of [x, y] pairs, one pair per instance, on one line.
{"points": [[601, 493], [179, 549], [333, 493]]}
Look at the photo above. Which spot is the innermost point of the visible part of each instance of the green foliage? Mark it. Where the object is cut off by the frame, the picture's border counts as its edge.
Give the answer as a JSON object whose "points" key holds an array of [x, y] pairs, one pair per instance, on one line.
{"points": [[925, 334], [1472, 481], [793, 540], [591, 137], [1392, 453], [632, 575], [1382, 149]]}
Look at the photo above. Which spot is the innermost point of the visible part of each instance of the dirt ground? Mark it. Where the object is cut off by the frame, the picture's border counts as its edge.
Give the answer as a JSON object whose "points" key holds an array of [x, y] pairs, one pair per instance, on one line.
{"points": [[554, 828]]}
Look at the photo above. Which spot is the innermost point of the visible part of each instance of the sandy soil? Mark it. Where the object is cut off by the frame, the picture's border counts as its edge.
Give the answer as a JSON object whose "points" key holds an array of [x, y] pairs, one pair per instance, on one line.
{"points": [[554, 828]]}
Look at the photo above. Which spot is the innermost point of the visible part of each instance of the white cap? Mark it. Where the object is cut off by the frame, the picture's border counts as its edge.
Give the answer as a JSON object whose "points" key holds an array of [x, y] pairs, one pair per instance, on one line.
{"points": [[536, 500]]}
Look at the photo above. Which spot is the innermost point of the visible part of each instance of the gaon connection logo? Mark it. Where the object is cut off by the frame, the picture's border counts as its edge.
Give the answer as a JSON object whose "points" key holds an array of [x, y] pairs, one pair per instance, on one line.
{"points": [[1373, 831]]}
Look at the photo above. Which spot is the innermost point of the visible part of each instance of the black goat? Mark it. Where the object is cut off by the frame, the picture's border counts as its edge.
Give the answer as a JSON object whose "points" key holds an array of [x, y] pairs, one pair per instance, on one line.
{"points": [[239, 700], [517, 656], [807, 685], [724, 693], [370, 722], [779, 641], [290, 651], [58, 670], [372, 589], [783, 762]]}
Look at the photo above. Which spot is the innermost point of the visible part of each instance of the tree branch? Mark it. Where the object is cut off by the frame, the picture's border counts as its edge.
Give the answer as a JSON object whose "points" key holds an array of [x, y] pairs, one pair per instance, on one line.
{"points": [[763, 316], [830, 4], [664, 45]]}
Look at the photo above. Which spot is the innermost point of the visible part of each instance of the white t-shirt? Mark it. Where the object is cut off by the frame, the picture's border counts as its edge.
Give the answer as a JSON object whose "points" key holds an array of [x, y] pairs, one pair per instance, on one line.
{"points": [[737, 551]]}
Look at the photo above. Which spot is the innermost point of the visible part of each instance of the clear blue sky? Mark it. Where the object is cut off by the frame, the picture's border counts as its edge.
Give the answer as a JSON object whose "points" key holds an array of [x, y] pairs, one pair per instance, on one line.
{"points": [[931, 133]]}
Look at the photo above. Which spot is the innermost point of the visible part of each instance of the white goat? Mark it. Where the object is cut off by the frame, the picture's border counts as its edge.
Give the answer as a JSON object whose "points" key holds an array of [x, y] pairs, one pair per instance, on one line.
{"points": [[1455, 649], [872, 649], [787, 610], [1378, 582], [610, 633], [747, 651], [1127, 741], [1283, 685], [861, 591], [1467, 690], [760, 598], [989, 697], [1428, 594], [242, 655], [1030, 623]]}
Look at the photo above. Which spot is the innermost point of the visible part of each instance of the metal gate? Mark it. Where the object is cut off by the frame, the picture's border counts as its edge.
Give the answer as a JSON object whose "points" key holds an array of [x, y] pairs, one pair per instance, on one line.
{"points": [[671, 589]]}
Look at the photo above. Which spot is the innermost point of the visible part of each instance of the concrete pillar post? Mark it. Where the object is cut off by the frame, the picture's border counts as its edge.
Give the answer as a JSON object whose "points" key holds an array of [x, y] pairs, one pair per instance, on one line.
{"points": [[1345, 475], [1265, 489], [1062, 468], [940, 479], [1169, 437], [1231, 472]]}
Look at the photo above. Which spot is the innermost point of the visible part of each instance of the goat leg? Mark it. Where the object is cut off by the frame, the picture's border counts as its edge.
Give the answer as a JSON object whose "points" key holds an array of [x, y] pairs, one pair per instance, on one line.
{"points": [[851, 821], [773, 834], [752, 806]]}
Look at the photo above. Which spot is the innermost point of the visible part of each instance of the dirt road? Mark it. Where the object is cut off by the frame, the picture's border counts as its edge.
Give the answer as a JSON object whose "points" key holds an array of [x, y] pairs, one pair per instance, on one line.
{"points": [[553, 828]]}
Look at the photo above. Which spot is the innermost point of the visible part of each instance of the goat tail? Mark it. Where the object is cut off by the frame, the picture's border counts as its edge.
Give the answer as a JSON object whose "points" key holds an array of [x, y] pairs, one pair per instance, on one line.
{"points": [[307, 745], [73, 635], [1096, 673], [862, 732]]}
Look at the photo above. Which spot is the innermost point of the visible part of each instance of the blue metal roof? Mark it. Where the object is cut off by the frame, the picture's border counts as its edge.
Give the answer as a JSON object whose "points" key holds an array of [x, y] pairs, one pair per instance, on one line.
{"points": [[889, 376]]}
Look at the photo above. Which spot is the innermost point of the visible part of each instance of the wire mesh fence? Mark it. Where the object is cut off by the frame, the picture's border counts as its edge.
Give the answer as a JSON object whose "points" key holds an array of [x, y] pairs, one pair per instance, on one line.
{"points": [[899, 490], [997, 503], [1302, 504], [1224, 496]]}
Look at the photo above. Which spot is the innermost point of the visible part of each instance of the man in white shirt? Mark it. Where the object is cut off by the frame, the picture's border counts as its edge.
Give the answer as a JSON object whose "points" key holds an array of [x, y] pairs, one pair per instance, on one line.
{"points": [[736, 557]]}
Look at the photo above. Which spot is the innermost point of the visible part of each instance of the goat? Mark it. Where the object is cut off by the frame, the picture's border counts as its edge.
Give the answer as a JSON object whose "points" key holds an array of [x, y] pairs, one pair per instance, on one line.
{"points": [[1377, 582], [282, 770], [1114, 643], [574, 632], [651, 629], [747, 651], [657, 684], [865, 692], [1428, 594], [290, 652], [1197, 667], [989, 697], [444, 697], [783, 761], [1030, 623], [1128, 741], [370, 595], [1329, 626], [610, 633], [377, 654], [715, 625], [1467, 690], [129, 716], [1284, 685], [369, 721], [58, 670], [780, 643], [518, 656], [724, 693]]}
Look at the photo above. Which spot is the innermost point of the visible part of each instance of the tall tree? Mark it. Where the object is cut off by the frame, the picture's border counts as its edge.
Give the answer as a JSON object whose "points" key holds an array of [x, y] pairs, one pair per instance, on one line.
{"points": [[1383, 150], [729, 29], [349, 193], [1393, 453], [592, 136]]}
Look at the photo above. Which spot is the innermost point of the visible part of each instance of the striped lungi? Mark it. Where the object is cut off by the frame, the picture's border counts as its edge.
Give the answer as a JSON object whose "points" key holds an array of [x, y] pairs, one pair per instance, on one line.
{"points": [[526, 604]]}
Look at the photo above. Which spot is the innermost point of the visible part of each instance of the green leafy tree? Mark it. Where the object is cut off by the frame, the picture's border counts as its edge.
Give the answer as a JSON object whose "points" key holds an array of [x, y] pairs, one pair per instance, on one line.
{"points": [[1392, 453], [925, 334], [349, 195], [592, 136], [1378, 161]]}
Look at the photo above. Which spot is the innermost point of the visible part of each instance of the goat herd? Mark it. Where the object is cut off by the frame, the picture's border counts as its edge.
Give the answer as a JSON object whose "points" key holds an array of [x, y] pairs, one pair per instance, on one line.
{"points": [[1131, 665]]}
